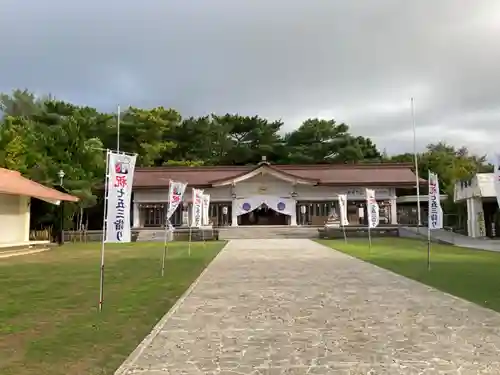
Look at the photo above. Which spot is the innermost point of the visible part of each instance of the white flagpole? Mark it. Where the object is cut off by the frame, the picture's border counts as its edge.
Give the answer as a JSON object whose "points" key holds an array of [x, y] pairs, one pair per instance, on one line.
{"points": [[415, 157], [104, 232], [428, 247], [369, 238], [189, 243], [118, 130], [165, 242]]}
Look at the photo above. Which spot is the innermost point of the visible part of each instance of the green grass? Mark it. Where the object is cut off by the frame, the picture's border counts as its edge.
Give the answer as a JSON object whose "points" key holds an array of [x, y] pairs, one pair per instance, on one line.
{"points": [[49, 323], [470, 274]]}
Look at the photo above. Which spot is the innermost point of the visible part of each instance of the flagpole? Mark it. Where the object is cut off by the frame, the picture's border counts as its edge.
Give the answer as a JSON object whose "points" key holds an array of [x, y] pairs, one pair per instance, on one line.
{"points": [[104, 232], [415, 157], [118, 130], [189, 243], [165, 243], [369, 238], [428, 248]]}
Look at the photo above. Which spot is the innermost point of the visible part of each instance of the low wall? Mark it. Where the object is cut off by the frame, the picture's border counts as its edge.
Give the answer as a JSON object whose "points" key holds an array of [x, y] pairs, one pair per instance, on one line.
{"points": [[358, 231], [179, 234], [443, 236]]}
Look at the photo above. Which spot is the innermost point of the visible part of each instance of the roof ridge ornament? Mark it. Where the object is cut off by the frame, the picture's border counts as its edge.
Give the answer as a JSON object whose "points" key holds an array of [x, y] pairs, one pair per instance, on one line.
{"points": [[264, 160]]}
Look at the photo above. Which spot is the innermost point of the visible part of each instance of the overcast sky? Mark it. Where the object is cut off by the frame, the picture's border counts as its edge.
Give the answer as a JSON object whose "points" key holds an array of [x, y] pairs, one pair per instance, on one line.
{"points": [[358, 61]]}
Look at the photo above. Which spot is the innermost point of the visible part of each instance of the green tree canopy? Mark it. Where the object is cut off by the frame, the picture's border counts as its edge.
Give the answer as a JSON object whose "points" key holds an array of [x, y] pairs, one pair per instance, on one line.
{"points": [[41, 135]]}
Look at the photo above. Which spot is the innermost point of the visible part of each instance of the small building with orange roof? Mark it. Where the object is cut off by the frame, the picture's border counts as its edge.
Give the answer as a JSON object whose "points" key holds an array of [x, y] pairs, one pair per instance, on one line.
{"points": [[16, 192]]}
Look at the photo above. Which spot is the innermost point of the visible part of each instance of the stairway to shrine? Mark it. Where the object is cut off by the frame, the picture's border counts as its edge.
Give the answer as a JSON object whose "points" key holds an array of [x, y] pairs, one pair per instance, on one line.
{"points": [[267, 231]]}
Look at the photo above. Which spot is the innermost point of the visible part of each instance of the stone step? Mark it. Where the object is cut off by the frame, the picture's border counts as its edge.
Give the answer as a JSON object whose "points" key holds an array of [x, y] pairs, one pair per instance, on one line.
{"points": [[262, 232], [151, 236]]}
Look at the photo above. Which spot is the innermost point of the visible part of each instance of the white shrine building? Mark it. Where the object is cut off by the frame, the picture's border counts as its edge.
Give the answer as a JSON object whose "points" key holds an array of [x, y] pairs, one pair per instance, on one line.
{"points": [[266, 194], [478, 194]]}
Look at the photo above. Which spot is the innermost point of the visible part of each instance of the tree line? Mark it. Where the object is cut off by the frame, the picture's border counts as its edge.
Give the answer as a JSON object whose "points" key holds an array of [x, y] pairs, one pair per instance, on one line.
{"points": [[40, 135]]}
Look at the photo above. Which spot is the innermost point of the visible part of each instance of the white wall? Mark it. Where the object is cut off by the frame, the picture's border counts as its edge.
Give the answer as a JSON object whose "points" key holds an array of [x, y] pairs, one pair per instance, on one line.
{"points": [[263, 185], [14, 219], [161, 195], [481, 185]]}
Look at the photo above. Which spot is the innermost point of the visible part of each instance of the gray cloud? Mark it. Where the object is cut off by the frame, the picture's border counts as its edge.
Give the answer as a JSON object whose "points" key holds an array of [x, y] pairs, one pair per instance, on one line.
{"points": [[357, 61]]}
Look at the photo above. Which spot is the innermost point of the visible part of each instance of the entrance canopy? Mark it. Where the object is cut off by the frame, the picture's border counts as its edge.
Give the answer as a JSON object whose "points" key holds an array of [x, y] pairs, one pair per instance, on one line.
{"points": [[285, 206], [11, 182]]}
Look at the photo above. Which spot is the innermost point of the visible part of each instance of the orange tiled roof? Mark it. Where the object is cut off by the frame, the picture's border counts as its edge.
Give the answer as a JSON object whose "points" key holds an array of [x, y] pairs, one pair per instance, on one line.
{"points": [[11, 182]]}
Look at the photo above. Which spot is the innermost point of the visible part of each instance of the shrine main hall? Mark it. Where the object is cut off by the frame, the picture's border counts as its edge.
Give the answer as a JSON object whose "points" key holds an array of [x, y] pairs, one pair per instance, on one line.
{"points": [[268, 194]]}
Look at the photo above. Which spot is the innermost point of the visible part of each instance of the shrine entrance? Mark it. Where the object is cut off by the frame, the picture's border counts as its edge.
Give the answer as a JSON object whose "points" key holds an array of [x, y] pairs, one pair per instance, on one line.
{"points": [[263, 215]]}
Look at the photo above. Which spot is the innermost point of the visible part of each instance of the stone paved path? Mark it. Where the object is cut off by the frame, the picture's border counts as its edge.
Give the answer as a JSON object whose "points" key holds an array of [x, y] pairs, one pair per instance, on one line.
{"points": [[267, 307]]}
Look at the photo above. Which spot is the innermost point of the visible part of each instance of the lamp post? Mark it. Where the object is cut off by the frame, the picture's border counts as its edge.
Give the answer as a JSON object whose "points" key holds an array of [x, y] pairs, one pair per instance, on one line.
{"points": [[60, 235], [61, 175]]}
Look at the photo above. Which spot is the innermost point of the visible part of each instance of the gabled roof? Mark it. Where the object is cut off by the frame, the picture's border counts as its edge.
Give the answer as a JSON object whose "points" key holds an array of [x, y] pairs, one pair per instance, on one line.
{"points": [[11, 182], [263, 169], [380, 174]]}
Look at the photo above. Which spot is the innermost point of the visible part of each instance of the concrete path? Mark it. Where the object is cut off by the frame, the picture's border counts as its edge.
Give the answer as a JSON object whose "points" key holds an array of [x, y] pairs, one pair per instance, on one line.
{"points": [[267, 307], [451, 238]]}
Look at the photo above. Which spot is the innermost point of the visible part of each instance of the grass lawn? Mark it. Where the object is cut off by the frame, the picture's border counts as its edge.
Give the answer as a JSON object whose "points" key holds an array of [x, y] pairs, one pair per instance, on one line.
{"points": [[470, 274], [49, 323]]}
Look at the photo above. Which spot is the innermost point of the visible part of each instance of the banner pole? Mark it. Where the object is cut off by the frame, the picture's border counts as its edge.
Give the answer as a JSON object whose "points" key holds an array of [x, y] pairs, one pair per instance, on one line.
{"points": [[203, 222], [345, 236], [428, 248], [189, 243], [165, 243], [104, 232], [118, 129], [369, 239], [415, 160]]}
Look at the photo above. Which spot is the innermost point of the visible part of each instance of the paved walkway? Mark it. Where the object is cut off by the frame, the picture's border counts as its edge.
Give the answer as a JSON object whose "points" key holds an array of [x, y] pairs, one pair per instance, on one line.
{"points": [[267, 307], [451, 238]]}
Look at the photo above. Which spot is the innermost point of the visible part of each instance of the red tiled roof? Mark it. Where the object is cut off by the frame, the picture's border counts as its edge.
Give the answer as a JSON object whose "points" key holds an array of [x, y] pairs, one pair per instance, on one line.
{"points": [[327, 174], [11, 182]]}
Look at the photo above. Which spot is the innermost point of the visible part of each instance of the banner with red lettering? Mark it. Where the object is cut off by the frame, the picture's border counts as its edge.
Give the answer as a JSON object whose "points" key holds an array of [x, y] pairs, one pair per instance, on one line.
{"points": [[119, 191], [372, 208], [175, 193], [197, 208], [435, 210], [205, 202]]}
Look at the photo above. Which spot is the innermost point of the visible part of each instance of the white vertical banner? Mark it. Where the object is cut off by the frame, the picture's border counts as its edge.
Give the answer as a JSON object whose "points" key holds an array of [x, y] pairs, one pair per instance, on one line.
{"points": [[175, 193], [497, 177], [197, 208], [372, 208], [343, 209], [121, 176], [435, 210], [205, 201]]}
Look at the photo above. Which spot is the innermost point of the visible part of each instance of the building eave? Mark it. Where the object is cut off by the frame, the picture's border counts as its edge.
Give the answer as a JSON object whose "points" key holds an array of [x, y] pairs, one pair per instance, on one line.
{"points": [[13, 183]]}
